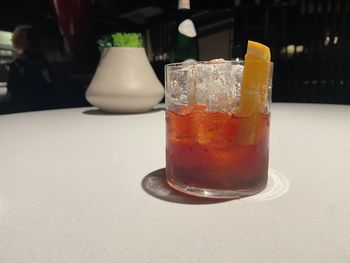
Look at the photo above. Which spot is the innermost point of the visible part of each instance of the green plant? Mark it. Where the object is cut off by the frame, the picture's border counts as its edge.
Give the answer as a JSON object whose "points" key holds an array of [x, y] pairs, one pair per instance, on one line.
{"points": [[120, 40]]}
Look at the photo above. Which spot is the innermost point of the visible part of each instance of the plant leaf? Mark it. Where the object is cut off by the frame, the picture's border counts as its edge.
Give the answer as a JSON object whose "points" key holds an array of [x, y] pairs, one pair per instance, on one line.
{"points": [[127, 40], [120, 40]]}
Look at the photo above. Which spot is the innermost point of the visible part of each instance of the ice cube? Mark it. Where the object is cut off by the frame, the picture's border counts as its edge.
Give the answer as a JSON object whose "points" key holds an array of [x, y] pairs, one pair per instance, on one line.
{"points": [[178, 85], [235, 82], [217, 85], [217, 61]]}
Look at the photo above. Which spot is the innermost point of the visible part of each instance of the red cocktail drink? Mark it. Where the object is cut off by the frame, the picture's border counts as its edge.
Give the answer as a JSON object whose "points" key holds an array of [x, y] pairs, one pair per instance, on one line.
{"points": [[204, 151]]}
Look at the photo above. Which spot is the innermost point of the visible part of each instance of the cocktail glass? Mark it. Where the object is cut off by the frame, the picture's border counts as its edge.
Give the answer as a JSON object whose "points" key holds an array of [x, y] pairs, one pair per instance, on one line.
{"points": [[217, 127]]}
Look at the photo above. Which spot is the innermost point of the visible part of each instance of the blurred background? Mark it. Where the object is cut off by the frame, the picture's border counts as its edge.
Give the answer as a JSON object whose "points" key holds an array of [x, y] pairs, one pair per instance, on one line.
{"points": [[309, 40]]}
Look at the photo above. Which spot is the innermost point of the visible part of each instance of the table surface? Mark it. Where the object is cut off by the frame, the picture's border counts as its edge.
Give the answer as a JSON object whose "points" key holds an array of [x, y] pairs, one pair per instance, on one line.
{"points": [[79, 185]]}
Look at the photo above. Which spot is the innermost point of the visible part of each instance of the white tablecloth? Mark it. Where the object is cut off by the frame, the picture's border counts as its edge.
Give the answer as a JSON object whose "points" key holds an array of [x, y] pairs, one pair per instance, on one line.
{"points": [[77, 185]]}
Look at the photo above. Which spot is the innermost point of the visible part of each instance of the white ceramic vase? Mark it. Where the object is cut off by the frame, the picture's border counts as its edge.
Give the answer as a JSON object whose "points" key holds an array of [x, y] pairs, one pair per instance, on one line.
{"points": [[124, 82]]}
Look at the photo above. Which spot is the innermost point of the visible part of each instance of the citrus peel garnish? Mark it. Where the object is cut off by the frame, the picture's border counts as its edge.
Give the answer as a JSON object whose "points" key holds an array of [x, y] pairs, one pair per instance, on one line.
{"points": [[254, 89]]}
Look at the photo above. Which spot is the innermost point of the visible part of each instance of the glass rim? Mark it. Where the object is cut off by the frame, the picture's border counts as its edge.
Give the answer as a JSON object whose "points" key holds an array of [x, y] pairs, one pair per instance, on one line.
{"points": [[235, 62]]}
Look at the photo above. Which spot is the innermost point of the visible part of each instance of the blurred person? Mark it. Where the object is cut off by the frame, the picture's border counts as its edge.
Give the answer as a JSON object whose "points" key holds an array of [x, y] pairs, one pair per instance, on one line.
{"points": [[29, 85]]}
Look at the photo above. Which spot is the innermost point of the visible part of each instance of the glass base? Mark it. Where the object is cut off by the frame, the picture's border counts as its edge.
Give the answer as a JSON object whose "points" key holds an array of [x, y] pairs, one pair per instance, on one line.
{"points": [[215, 193]]}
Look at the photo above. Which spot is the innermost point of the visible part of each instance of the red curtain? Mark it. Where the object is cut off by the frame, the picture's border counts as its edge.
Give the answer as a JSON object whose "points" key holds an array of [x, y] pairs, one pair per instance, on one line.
{"points": [[74, 18]]}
